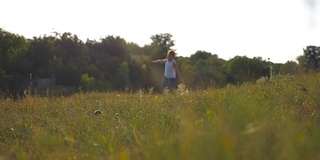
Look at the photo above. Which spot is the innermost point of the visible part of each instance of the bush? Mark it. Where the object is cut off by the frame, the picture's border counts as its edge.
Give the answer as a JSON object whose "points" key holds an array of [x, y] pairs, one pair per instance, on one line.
{"points": [[91, 84]]}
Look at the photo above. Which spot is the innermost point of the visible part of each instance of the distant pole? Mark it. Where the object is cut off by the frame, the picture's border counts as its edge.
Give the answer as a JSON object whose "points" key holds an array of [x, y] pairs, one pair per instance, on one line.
{"points": [[30, 83], [271, 69]]}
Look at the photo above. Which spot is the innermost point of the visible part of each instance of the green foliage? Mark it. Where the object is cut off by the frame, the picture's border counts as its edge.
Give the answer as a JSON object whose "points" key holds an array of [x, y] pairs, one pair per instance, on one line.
{"points": [[274, 120], [199, 55], [41, 51], [123, 75], [244, 69], [311, 57], [161, 43], [91, 84], [209, 70], [120, 65], [290, 68], [187, 71], [14, 63], [12, 49], [74, 56], [87, 82]]}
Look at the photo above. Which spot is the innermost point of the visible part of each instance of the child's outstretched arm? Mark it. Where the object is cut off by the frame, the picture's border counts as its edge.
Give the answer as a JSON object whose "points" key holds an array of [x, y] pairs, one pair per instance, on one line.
{"points": [[159, 61]]}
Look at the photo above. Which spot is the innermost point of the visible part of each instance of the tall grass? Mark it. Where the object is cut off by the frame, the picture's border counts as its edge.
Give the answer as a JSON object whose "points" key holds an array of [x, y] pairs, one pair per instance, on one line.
{"points": [[274, 120]]}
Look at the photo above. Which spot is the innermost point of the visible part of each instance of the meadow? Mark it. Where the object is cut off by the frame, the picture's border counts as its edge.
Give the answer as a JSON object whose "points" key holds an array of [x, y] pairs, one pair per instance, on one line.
{"points": [[278, 119]]}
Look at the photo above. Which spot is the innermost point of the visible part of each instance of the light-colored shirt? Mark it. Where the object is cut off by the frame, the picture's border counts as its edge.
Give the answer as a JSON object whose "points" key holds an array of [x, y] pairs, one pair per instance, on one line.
{"points": [[169, 70]]}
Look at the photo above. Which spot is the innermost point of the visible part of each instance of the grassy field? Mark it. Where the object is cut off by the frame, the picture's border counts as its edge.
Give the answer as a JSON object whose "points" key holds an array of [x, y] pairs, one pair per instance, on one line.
{"points": [[279, 119]]}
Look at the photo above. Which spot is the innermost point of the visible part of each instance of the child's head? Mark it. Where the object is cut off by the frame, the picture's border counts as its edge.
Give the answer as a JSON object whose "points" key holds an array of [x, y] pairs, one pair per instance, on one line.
{"points": [[171, 53]]}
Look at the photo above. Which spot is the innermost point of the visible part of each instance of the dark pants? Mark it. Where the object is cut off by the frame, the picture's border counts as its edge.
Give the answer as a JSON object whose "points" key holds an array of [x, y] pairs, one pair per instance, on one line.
{"points": [[168, 82]]}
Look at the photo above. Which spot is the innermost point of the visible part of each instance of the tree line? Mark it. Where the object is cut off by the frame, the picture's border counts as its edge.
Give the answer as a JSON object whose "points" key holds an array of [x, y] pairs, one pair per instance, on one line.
{"points": [[111, 63]]}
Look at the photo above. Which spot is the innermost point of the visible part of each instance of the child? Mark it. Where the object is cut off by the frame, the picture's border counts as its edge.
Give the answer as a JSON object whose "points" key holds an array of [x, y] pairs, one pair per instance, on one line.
{"points": [[171, 69]]}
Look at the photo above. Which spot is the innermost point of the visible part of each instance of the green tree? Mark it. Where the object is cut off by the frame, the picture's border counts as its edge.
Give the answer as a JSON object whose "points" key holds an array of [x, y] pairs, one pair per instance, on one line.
{"points": [[243, 69], [75, 58], [199, 55], [311, 57], [14, 64], [187, 71], [122, 80], [161, 43], [41, 51], [115, 47], [290, 67], [89, 83], [137, 66], [209, 70], [113, 59]]}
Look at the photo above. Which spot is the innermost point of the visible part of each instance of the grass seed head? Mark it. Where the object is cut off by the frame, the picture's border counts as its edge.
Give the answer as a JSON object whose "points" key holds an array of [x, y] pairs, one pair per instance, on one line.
{"points": [[97, 112]]}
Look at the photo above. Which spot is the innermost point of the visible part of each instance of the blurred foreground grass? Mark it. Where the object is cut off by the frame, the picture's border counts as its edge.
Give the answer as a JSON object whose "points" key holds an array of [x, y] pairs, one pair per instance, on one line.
{"points": [[274, 120]]}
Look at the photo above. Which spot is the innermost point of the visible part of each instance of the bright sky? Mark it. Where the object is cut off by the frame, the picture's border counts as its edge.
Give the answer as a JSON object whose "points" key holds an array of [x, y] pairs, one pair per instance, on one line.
{"points": [[275, 29]]}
